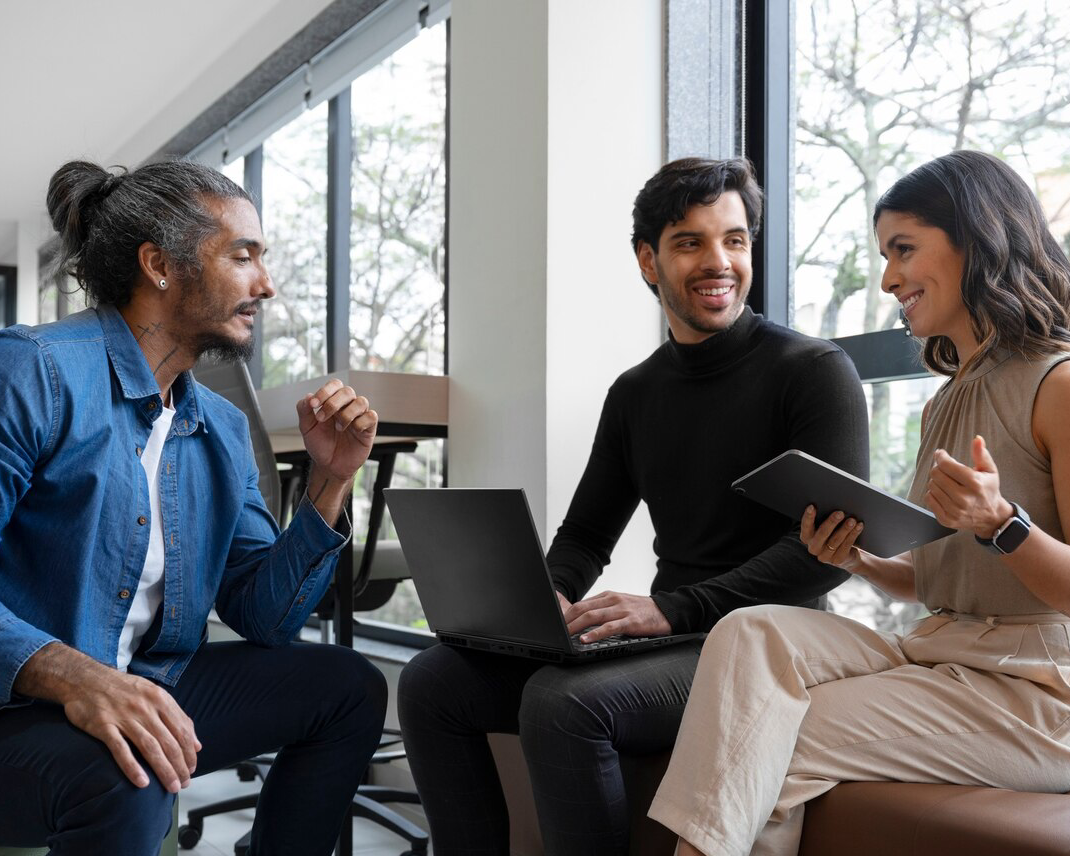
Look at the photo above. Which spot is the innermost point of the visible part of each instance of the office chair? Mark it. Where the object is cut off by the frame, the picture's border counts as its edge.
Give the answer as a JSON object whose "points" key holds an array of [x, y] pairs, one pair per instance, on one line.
{"points": [[232, 381]]}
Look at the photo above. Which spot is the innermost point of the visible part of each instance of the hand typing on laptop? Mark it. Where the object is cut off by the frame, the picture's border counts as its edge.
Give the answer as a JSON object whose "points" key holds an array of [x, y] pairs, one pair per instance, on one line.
{"points": [[614, 613]]}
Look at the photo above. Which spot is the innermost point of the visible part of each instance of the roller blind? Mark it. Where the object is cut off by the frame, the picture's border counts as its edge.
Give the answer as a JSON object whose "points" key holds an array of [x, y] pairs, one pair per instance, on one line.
{"points": [[323, 76]]}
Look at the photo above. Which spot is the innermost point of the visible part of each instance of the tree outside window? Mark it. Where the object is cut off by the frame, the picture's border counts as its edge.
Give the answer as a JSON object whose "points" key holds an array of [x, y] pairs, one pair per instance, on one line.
{"points": [[398, 245], [398, 242], [295, 228], [880, 88]]}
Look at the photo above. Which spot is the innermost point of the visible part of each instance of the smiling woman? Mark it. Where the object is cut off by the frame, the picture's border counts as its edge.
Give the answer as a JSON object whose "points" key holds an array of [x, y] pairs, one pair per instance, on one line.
{"points": [[964, 231], [922, 80], [923, 263]]}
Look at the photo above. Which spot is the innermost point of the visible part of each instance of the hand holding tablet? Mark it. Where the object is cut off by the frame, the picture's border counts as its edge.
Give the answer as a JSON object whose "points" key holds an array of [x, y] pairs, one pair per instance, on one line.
{"points": [[791, 482]]}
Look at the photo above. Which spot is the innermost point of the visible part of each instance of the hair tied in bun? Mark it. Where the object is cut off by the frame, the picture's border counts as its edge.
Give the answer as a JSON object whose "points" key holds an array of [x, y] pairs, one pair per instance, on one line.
{"points": [[109, 184]]}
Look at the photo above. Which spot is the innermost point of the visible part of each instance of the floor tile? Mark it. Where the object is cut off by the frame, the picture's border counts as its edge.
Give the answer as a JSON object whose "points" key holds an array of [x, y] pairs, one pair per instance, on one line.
{"points": [[223, 830]]}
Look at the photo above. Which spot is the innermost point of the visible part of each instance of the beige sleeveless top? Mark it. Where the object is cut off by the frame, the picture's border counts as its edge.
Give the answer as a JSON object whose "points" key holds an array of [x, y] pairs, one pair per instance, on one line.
{"points": [[995, 400]]}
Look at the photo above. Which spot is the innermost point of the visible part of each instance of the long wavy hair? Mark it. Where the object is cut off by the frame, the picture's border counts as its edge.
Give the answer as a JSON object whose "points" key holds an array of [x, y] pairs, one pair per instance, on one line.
{"points": [[1016, 278]]}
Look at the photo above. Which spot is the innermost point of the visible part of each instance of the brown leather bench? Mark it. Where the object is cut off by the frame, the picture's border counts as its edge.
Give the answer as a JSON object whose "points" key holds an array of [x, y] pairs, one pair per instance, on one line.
{"points": [[893, 819], [853, 819]]}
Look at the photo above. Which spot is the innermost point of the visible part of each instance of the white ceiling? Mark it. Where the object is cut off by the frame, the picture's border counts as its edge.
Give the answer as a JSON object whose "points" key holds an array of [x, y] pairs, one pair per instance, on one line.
{"points": [[113, 80]]}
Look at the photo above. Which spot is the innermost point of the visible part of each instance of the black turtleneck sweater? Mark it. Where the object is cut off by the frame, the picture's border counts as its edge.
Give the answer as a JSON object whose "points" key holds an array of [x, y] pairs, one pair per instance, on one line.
{"points": [[676, 431]]}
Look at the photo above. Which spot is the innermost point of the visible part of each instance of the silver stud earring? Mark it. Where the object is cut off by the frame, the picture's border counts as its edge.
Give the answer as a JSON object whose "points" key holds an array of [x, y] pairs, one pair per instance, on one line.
{"points": [[163, 284]]}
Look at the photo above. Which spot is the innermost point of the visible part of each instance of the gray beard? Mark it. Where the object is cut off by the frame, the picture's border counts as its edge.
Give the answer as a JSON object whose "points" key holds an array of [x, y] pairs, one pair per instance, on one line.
{"points": [[221, 350]]}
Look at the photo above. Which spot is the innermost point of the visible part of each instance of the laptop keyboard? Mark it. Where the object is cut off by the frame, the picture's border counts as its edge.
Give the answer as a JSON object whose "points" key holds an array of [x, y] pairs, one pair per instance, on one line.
{"points": [[608, 642]]}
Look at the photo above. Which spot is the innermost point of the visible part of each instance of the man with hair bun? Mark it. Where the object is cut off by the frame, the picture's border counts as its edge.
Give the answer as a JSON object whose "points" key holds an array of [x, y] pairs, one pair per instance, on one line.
{"points": [[129, 508], [728, 391]]}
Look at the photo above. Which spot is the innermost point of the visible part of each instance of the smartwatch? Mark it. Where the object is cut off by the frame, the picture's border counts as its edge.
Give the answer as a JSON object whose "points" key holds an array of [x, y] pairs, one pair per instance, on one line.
{"points": [[1008, 537]]}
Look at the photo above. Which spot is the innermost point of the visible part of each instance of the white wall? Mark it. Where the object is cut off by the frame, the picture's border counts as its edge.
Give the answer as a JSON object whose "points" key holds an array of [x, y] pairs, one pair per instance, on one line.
{"points": [[556, 122], [9, 236], [497, 247], [31, 233], [606, 131]]}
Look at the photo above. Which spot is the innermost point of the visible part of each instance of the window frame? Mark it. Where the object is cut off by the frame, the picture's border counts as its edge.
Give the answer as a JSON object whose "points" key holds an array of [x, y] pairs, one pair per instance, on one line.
{"points": [[380, 17], [769, 126], [10, 275]]}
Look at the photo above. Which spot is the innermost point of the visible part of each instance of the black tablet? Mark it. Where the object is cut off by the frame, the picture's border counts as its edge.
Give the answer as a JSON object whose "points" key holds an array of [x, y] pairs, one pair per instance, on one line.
{"points": [[794, 480]]}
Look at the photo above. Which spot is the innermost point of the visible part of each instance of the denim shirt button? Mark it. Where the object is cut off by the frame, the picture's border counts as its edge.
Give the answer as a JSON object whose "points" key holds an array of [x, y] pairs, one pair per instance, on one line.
{"points": [[137, 451], [141, 521], [151, 405], [124, 594]]}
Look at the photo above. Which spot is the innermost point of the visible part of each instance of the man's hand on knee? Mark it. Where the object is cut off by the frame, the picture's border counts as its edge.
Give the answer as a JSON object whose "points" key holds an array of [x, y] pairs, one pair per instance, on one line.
{"points": [[118, 709], [615, 613]]}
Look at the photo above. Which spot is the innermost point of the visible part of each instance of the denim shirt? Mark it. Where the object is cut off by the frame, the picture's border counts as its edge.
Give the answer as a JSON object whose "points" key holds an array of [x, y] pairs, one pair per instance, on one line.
{"points": [[77, 403]]}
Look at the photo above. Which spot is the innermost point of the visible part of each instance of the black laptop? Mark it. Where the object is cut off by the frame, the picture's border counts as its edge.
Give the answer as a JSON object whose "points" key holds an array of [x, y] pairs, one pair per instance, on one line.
{"points": [[481, 575]]}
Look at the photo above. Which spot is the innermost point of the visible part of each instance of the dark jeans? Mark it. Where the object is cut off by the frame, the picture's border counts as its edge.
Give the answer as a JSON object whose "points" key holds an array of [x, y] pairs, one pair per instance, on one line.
{"points": [[322, 706], [572, 722]]}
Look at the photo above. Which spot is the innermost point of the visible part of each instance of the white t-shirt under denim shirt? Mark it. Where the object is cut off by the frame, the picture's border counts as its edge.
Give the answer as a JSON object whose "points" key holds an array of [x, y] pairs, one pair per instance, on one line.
{"points": [[149, 594]]}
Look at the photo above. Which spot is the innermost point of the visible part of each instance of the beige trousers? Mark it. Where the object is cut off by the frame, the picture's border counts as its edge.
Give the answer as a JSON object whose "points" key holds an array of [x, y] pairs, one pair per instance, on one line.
{"points": [[787, 702]]}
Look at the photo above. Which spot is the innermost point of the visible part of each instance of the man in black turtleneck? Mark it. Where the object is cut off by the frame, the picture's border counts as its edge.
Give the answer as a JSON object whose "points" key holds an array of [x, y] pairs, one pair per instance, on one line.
{"points": [[727, 392]]}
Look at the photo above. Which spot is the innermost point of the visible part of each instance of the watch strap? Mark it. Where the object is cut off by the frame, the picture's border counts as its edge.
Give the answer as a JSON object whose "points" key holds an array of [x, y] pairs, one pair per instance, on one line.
{"points": [[1010, 534]]}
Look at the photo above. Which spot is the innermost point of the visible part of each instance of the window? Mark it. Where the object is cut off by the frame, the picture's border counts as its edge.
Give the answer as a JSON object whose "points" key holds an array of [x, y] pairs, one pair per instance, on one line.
{"points": [[57, 294], [235, 171], [884, 86], [879, 88], [398, 249], [48, 301], [894, 434], [361, 285], [8, 280], [422, 468], [295, 222], [398, 242]]}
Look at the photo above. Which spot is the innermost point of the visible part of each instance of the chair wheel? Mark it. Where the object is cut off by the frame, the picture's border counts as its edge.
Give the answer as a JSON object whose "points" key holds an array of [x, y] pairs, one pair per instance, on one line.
{"points": [[188, 836], [247, 770]]}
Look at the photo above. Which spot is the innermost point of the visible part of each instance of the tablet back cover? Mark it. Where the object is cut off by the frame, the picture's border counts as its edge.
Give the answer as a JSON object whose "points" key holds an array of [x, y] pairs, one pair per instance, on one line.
{"points": [[793, 480]]}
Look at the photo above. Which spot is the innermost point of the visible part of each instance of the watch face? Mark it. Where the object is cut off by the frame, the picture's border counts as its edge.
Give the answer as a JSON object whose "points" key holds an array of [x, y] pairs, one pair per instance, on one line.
{"points": [[1012, 536]]}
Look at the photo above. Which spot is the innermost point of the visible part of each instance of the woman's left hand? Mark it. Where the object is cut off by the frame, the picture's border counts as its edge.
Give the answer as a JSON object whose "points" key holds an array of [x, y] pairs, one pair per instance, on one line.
{"points": [[967, 498]]}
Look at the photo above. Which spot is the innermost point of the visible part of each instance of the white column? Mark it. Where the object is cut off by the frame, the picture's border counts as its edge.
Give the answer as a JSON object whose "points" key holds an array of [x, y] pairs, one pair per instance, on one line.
{"points": [[605, 140], [497, 248], [556, 122]]}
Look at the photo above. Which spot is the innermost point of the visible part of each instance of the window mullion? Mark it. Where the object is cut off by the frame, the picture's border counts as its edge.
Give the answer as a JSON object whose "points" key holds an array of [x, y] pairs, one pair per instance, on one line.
{"points": [[339, 216], [253, 180], [769, 133]]}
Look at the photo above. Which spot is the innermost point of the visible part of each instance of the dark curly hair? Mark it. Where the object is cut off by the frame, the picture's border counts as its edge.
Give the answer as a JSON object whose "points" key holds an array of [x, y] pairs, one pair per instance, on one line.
{"points": [[1016, 278], [687, 182], [102, 218]]}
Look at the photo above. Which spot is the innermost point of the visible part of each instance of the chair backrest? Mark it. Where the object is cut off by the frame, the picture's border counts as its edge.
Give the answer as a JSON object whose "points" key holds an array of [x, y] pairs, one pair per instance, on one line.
{"points": [[388, 569], [231, 380]]}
